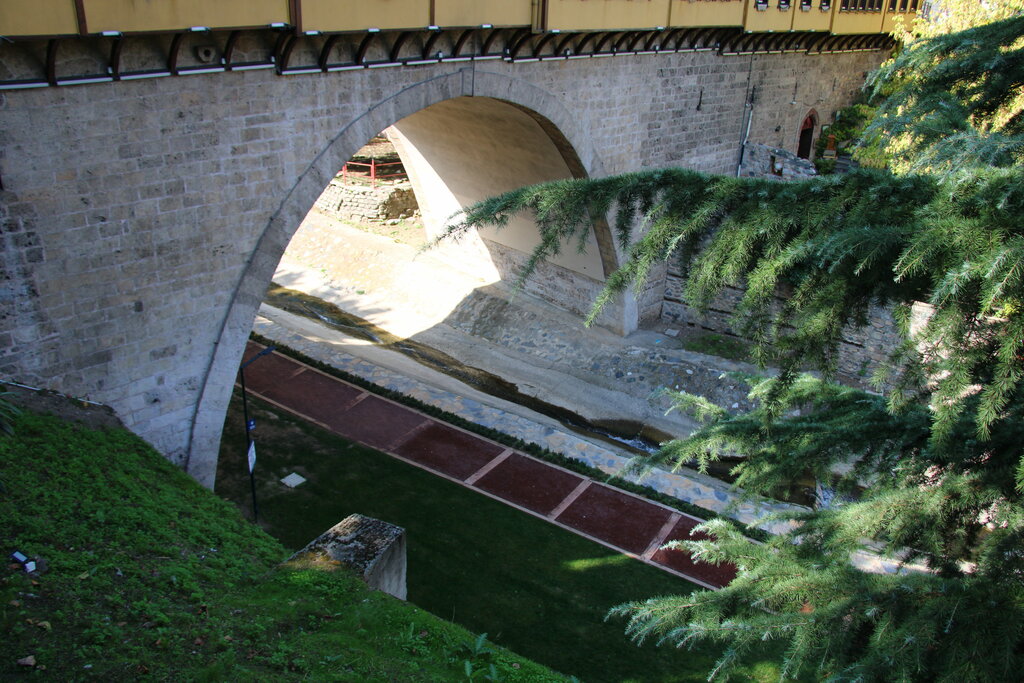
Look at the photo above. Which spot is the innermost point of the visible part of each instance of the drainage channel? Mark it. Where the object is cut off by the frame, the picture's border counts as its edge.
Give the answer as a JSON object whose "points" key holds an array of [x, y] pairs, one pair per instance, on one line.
{"points": [[629, 435]]}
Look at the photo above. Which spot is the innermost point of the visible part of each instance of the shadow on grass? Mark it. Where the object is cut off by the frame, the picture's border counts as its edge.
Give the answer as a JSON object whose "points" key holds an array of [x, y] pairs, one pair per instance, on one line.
{"points": [[533, 587]]}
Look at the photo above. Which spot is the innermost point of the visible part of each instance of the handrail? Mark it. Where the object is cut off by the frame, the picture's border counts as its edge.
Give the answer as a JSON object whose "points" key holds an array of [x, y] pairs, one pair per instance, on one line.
{"points": [[373, 166]]}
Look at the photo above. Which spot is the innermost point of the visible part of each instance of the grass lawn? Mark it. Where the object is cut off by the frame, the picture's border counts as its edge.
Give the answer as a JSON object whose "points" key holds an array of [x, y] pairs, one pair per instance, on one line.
{"points": [[143, 574], [531, 586]]}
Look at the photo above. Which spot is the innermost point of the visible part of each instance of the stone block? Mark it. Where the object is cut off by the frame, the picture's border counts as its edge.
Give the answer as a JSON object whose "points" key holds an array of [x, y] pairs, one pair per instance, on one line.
{"points": [[374, 549]]}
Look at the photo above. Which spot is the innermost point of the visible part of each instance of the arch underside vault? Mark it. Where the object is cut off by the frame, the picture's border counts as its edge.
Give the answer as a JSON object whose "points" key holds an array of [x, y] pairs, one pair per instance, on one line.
{"points": [[467, 149]]}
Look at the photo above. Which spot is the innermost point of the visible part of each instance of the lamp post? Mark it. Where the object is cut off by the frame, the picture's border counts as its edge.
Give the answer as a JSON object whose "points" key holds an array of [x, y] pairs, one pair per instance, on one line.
{"points": [[250, 445]]}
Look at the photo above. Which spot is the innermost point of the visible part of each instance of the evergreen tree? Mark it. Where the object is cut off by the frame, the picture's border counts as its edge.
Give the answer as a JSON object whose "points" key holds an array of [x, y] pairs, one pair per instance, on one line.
{"points": [[951, 16], [935, 467], [953, 101]]}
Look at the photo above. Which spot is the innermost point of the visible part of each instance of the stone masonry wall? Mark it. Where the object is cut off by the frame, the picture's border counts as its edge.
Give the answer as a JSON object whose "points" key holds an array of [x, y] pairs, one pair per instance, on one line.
{"points": [[557, 285], [763, 161], [568, 290], [356, 203], [862, 350], [142, 220]]}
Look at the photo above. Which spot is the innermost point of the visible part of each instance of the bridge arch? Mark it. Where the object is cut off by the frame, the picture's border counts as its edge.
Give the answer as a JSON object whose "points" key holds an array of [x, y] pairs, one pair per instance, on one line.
{"points": [[571, 141]]}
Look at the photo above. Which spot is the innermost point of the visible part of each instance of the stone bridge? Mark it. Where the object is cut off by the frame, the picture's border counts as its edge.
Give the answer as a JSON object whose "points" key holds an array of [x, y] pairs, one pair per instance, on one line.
{"points": [[142, 219]]}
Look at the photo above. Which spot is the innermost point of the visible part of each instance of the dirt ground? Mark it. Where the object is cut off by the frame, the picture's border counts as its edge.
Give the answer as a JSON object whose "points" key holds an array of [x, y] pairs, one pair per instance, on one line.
{"points": [[406, 231], [379, 147], [48, 402]]}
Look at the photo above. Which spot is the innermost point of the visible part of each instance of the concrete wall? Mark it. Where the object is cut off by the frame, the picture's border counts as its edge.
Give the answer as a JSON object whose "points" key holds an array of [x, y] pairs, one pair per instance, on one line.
{"points": [[373, 549], [142, 220]]}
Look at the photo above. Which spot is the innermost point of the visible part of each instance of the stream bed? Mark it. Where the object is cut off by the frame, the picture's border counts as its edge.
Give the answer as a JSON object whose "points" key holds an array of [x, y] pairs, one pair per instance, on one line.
{"points": [[631, 436]]}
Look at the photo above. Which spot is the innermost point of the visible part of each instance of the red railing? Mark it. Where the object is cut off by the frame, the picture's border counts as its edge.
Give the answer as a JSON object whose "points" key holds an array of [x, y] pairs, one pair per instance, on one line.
{"points": [[374, 175]]}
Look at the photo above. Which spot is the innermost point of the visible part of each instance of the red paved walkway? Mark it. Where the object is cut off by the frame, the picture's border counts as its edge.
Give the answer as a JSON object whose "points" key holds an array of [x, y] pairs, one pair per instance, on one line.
{"points": [[614, 518]]}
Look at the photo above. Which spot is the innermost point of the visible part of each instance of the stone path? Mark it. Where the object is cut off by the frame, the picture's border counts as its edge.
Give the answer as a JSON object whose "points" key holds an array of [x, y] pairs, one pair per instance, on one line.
{"points": [[613, 518]]}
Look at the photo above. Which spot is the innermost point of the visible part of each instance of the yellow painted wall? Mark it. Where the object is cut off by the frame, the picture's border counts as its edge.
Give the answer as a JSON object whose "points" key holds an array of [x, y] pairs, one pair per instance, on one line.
{"points": [[856, 22], [813, 19], [168, 15], [57, 17], [686, 13], [771, 19], [477, 12], [359, 15], [889, 20], [37, 17], [595, 15]]}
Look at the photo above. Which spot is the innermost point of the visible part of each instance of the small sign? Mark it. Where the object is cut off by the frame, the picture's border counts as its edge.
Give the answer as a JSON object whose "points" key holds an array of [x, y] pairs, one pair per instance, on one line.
{"points": [[293, 480], [251, 424], [252, 455]]}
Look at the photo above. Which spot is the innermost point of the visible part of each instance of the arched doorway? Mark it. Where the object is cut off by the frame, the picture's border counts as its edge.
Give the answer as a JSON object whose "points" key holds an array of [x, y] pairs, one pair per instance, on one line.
{"points": [[806, 143]]}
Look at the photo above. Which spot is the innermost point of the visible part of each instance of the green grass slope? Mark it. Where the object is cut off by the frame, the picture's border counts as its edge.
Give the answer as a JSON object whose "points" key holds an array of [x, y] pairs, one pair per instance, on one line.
{"points": [[147, 574]]}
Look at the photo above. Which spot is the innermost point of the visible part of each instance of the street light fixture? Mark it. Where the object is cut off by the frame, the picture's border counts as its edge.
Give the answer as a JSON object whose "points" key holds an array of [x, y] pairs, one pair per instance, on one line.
{"points": [[250, 445]]}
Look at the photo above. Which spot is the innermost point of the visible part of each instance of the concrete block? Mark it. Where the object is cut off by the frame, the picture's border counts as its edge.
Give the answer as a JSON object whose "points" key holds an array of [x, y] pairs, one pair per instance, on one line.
{"points": [[375, 550]]}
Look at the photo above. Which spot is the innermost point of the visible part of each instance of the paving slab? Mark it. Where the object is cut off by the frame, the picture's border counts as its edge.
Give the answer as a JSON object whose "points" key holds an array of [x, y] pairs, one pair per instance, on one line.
{"points": [[448, 450], [269, 372], [616, 517], [294, 479], [283, 381], [376, 422], [528, 483], [680, 560]]}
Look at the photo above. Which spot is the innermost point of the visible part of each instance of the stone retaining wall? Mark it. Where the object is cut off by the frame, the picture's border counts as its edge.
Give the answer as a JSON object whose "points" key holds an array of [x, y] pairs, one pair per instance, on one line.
{"points": [[568, 290], [861, 351], [359, 203], [765, 161]]}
